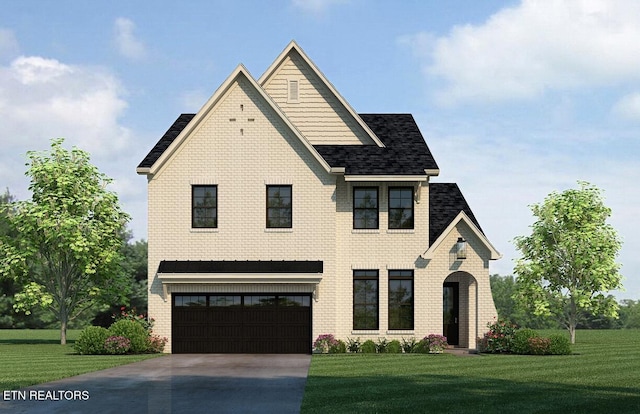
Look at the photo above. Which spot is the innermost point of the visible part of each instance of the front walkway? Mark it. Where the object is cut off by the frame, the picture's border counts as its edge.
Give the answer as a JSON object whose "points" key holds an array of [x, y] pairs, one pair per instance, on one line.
{"points": [[176, 383]]}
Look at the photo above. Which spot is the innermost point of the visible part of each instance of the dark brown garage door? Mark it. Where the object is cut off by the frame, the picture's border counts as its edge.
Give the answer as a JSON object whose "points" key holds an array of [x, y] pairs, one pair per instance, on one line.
{"points": [[256, 323]]}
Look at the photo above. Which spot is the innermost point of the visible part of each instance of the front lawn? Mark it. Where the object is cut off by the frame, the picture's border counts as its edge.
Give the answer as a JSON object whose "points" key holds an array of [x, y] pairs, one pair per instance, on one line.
{"points": [[603, 375], [34, 356]]}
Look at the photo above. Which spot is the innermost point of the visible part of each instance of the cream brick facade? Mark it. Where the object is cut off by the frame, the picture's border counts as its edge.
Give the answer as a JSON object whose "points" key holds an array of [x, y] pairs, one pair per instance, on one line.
{"points": [[249, 136]]}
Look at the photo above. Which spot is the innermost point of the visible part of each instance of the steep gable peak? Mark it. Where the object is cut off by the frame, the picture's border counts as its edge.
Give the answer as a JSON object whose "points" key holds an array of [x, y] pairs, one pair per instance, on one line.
{"points": [[284, 75], [239, 74]]}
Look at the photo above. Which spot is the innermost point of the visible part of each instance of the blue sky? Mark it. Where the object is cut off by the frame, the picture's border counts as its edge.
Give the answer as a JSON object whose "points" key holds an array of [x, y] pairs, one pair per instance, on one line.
{"points": [[515, 98]]}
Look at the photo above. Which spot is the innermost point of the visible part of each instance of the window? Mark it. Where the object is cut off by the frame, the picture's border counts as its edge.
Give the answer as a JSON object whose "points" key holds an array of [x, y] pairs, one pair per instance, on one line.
{"points": [[400, 208], [224, 301], [365, 208], [204, 205], [365, 299], [279, 206], [401, 299], [188, 300]]}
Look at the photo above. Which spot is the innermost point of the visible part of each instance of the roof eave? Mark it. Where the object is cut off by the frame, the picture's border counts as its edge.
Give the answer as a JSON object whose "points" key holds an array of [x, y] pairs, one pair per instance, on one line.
{"points": [[385, 177]]}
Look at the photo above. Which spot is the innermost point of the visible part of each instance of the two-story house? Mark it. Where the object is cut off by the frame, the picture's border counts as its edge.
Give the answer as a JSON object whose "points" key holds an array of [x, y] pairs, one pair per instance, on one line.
{"points": [[277, 213]]}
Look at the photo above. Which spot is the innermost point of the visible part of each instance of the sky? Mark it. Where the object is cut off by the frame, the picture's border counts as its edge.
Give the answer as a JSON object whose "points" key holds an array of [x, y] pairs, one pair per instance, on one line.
{"points": [[515, 99]]}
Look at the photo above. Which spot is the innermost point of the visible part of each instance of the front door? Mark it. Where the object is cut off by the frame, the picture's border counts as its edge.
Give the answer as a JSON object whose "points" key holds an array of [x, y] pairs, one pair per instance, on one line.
{"points": [[450, 312]]}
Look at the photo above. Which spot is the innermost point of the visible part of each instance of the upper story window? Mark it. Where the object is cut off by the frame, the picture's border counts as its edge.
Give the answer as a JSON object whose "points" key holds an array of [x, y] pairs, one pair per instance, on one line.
{"points": [[400, 207], [279, 206], [204, 206], [365, 208]]}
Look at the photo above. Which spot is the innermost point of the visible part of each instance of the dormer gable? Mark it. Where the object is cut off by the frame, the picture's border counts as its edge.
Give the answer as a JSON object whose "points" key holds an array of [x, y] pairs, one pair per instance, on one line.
{"points": [[311, 102]]}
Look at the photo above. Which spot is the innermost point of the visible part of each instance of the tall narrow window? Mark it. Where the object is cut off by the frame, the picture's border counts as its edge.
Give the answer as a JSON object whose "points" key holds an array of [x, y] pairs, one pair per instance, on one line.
{"points": [[400, 208], [401, 299], [204, 206], [365, 299], [279, 206], [365, 208]]}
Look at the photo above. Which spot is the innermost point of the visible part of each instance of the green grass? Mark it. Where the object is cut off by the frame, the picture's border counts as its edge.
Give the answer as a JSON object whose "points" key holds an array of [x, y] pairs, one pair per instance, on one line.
{"points": [[602, 376], [34, 356]]}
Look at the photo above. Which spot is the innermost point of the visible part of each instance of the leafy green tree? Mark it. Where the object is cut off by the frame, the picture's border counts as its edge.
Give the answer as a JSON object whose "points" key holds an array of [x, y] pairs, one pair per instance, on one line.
{"points": [[630, 314], [569, 260], [503, 289], [67, 258]]}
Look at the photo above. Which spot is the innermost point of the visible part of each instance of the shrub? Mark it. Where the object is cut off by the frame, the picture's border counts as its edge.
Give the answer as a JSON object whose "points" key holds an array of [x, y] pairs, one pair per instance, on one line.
{"points": [[133, 315], [339, 348], [394, 347], [437, 343], [133, 331], [156, 344], [91, 341], [381, 346], [324, 343], [499, 337], [353, 345], [409, 345], [422, 347], [368, 347], [560, 345], [520, 343], [539, 346], [117, 345]]}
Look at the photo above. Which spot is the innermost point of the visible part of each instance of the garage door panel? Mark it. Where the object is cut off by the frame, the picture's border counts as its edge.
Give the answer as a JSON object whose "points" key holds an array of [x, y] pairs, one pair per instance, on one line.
{"points": [[256, 323]]}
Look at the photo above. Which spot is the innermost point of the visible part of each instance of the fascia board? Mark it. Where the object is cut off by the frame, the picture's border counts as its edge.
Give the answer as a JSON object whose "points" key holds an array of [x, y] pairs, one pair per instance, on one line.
{"points": [[280, 59], [180, 278], [462, 216], [211, 104], [403, 178]]}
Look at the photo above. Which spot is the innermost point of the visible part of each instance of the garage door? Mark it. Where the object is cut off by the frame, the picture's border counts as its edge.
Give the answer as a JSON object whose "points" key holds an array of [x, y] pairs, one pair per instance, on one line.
{"points": [[256, 323]]}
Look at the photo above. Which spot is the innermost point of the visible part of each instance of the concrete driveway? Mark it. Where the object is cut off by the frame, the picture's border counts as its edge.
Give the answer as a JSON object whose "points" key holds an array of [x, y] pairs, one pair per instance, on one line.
{"points": [[210, 383]]}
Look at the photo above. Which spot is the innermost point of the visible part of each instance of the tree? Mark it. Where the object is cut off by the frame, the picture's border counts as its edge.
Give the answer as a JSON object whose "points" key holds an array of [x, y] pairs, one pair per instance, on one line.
{"points": [[569, 260], [67, 258], [503, 289]]}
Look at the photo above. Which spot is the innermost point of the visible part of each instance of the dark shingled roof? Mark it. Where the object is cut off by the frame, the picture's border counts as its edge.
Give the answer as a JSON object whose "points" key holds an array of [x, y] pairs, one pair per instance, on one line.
{"points": [[406, 152], [166, 140], [445, 203], [248, 266]]}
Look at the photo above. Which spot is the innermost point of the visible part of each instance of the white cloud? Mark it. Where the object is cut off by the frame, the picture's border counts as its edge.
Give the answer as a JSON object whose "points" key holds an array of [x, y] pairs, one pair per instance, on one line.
{"points": [[524, 51], [41, 99], [316, 6], [126, 42], [628, 107]]}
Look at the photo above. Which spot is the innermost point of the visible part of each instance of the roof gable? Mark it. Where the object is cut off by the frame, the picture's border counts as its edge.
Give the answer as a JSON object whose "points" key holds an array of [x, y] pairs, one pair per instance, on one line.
{"points": [[321, 113], [188, 123], [447, 208]]}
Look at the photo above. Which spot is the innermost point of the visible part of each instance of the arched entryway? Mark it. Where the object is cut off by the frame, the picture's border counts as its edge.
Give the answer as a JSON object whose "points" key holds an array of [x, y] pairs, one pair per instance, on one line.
{"points": [[459, 309]]}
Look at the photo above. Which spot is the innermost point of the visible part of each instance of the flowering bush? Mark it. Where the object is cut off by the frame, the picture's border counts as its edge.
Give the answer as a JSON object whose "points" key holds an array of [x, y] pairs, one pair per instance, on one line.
{"points": [[156, 344], [324, 343], [520, 343], [437, 343], [134, 332], [540, 346], [499, 337], [117, 345], [133, 315]]}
